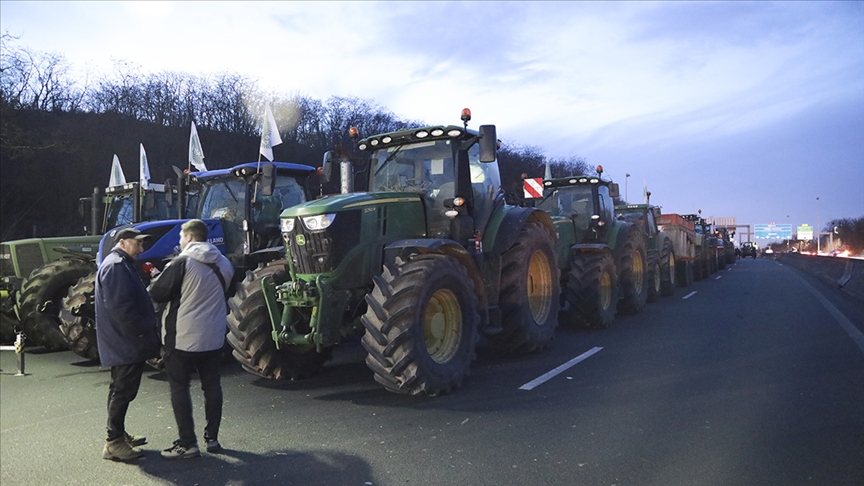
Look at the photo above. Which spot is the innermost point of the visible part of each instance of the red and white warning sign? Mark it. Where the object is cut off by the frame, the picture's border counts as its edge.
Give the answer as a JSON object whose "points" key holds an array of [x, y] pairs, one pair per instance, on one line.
{"points": [[533, 187]]}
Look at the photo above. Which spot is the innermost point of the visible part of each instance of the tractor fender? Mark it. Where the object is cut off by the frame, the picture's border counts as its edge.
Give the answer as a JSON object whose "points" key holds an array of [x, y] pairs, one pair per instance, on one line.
{"points": [[617, 234], [505, 226], [164, 238], [403, 249]]}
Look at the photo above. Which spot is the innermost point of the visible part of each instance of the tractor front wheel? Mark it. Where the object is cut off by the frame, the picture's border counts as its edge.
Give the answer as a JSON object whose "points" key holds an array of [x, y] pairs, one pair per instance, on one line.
{"points": [[592, 289], [42, 293], [421, 325], [632, 274], [250, 332], [667, 269]]}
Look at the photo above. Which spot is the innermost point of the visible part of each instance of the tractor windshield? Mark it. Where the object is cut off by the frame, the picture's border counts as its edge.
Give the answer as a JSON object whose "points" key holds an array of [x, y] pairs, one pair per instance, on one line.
{"points": [[222, 198], [119, 212], [422, 168], [428, 169]]}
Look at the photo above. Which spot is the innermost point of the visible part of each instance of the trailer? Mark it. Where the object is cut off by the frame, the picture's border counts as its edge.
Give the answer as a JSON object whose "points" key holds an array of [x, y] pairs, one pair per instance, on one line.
{"points": [[683, 235]]}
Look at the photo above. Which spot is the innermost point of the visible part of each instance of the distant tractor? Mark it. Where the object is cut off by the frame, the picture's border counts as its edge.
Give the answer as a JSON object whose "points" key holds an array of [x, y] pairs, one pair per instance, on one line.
{"points": [[705, 263], [240, 206], [37, 272], [661, 251], [428, 260], [603, 260]]}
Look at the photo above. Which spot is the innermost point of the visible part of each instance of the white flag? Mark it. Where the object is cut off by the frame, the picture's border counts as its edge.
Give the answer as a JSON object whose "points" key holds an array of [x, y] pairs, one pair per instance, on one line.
{"points": [[118, 178], [645, 190], [196, 153], [144, 173], [548, 174], [269, 134]]}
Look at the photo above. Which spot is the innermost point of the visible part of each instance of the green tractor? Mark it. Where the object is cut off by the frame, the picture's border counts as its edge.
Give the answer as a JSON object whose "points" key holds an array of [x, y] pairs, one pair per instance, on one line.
{"points": [[603, 260], [423, 265], [660, 251], [37, 272], [705, 263]]}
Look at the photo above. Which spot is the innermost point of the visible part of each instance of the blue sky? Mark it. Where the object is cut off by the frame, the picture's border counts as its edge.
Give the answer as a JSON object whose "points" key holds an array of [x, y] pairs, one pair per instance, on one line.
{"points": [[749, 110]]}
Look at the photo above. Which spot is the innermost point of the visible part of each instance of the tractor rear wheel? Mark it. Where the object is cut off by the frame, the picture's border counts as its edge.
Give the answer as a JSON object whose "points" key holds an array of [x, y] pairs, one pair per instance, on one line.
{"points": [[592, 289], [667, 269], [78, 318], [632, 274], [42, 293], [421, 325], [251, 332], [530, 292], [654, 279]]}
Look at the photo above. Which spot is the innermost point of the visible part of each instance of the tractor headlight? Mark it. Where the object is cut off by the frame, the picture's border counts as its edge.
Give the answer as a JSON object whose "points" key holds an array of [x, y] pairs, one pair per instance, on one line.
{"points": [[319, 222], [287, 225]]}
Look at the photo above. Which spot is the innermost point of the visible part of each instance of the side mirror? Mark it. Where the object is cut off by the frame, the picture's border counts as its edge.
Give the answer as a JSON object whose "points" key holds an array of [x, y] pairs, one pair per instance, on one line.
{"points": [[656, 213], [330, 159], [488, 143], [268, 179], [169, 193], [614, 191]]}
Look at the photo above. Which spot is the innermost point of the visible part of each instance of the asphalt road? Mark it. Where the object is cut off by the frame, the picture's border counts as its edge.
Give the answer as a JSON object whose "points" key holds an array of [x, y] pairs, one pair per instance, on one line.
{"points": [[756, 378]]}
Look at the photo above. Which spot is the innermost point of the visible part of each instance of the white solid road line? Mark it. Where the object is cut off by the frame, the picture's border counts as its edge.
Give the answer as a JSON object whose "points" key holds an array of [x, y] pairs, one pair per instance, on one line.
{"points": [[691, 294], [551, 374]]}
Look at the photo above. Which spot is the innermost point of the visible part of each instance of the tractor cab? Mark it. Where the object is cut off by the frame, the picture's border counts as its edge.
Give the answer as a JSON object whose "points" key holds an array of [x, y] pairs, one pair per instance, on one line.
{"points": [[447, 166], [644, 216], [585, 202]]}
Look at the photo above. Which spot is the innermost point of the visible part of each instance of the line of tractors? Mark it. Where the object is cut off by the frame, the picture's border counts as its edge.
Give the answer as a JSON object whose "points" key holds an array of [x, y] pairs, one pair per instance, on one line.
{"points": [[430, 264]]}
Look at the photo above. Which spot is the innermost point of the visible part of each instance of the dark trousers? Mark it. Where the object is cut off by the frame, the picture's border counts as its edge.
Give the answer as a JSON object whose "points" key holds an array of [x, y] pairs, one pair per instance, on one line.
{"points": [[125, 380], [180, 365]]}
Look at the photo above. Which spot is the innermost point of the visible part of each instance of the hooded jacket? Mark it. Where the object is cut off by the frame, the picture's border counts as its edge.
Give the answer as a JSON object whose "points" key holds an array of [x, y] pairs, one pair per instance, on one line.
{"points": [[125, 320], [195, 318]]}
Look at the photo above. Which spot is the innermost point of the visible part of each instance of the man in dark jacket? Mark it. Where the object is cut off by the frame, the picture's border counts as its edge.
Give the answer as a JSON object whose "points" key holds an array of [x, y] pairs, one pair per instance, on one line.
{"points": [[126, 336], [194, 325]]}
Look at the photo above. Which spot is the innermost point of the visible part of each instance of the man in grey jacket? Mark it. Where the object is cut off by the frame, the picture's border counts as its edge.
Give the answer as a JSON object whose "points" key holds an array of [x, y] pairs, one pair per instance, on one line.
{"points": [[194, 325], [126, 336]]}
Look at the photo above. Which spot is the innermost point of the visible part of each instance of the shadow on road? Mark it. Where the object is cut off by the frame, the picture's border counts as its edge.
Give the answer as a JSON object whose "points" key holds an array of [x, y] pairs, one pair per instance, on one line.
{"points": [[278, 467]]}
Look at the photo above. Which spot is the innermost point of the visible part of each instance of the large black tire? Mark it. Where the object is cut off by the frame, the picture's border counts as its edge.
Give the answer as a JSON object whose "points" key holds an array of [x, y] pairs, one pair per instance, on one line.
{"points": [[592, 289], [632, 273], [8, 323], [78, 318], [685, 273], [530, 292], [667, 269], [654, 278], [421, 325], [42, 295], [250, 332], [699, 270]]}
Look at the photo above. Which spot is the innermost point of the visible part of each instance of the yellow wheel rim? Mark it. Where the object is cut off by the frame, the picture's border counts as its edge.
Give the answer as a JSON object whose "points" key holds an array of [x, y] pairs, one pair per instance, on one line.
{"points": [[672, 269], [442, 326], [638, 272], [605, 290], [539, 287]]}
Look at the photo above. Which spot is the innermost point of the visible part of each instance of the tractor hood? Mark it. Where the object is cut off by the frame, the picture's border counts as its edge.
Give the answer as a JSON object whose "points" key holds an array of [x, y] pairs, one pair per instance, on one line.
{"points": [[345, 202]]}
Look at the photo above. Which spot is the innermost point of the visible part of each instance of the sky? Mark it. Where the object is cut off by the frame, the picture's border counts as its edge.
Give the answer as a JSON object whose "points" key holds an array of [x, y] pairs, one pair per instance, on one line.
{"points": [[750, 110]]}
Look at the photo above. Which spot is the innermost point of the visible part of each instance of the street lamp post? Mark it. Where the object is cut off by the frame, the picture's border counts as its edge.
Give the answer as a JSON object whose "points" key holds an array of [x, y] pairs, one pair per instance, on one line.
{"points": [[818, 226], [626, 179]]}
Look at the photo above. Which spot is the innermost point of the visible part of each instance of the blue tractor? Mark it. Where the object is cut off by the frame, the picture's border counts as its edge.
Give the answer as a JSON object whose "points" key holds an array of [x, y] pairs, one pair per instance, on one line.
{"points": [[241, 208]]}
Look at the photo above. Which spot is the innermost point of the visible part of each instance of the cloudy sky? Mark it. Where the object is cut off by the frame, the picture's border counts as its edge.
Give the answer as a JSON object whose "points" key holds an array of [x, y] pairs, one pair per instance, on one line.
{"points": [[745, 110]]}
